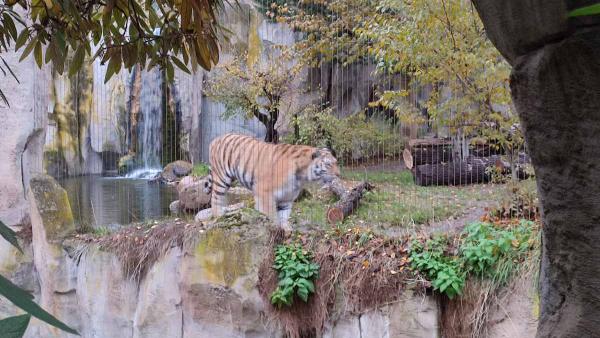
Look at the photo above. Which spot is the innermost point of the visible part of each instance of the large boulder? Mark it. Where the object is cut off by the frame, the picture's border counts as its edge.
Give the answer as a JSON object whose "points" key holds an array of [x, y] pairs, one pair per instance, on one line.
{"points": [[194, 193], [175, 170]]}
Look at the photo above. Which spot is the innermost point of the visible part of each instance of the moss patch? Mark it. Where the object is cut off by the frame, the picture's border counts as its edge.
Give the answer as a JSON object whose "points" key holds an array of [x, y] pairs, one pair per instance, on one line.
{"points": [[53, 206]]}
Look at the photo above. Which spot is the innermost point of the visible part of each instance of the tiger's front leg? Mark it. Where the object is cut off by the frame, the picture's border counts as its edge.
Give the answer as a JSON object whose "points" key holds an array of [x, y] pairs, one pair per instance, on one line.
{"points": [[218, 198], [284, 210]]}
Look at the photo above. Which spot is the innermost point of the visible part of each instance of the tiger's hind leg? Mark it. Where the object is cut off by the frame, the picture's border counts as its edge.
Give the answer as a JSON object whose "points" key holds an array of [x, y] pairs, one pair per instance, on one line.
{"points": [[218, 198]]}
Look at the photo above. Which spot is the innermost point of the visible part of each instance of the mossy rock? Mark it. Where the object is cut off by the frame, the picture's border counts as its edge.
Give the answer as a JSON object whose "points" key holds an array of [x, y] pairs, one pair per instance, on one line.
{"points": [[126, 164], [51, 207], [175, 170]]}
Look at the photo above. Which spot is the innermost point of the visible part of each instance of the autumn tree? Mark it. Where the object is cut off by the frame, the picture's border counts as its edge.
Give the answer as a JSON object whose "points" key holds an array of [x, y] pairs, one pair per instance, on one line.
{"points": [[443, 44], [257, 88]]}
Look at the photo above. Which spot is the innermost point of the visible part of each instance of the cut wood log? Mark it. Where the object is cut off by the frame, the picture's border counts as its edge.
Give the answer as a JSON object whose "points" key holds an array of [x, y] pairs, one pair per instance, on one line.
{"points": [[427, 151], [451, 173], [471, 171], [348, 202]]}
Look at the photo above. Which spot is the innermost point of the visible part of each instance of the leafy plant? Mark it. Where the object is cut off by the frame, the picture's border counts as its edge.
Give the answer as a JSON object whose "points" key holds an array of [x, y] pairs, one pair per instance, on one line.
{"points": [[351, 137], [251, 87], [16, 326], [200, 169], [587, 10], [484, 250], [486, 245], [120, 33], [519, 200], [443, 270], [296, 276]]}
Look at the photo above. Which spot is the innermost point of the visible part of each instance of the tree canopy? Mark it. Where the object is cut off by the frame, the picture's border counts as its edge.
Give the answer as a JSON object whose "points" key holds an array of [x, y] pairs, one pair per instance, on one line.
{"points": [[121, 33]]}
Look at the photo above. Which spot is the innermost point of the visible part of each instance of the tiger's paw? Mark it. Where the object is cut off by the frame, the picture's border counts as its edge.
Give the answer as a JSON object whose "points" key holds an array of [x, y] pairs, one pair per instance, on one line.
{"points": [[287, 229]]}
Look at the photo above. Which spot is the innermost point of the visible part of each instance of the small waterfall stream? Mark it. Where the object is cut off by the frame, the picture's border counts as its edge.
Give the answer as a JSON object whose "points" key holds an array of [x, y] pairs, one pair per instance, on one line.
{"points": [[149, 127]]}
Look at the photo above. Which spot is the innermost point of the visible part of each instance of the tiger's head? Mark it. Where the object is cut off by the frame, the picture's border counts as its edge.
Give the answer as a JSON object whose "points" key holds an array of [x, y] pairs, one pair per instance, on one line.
{"points": [[323, 167]]}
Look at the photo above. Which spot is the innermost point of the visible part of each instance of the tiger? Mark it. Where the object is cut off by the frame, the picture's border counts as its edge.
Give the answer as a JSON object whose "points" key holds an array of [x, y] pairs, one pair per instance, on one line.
{"points": [[275, 173]]}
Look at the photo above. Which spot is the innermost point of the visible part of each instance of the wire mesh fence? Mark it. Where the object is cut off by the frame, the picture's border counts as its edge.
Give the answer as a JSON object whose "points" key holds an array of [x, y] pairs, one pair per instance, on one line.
{"points": [[325, 74]]}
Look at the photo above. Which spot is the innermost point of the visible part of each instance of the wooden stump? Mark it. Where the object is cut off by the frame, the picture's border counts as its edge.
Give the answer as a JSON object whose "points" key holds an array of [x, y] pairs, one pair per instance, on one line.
{"points": [[427, 151], [348, 202]]}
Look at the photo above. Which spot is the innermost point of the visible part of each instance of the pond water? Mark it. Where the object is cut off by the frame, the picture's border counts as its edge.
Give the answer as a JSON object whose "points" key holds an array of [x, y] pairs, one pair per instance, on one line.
{"points": [[99, 201]]}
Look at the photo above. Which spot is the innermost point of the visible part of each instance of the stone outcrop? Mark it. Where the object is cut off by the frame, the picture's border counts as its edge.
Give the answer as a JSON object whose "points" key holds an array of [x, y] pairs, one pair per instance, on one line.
{"points": [[176, 170], [51, 222], [194, 193], [204, 288]]}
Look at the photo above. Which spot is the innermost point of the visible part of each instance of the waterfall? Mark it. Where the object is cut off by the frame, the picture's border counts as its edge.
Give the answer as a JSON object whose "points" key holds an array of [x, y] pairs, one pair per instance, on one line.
{"points": [[149, 125]]}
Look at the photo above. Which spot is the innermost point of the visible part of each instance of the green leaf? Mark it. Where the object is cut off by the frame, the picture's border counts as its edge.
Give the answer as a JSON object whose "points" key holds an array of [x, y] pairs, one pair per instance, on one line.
{"points": [[37, 53], [9, 24], [114, 66], [9, 235], [14, 327], [23, 36], [77, 60], [180, 64], [28, 49], [24, 300], [587, 10], [303, 294]]}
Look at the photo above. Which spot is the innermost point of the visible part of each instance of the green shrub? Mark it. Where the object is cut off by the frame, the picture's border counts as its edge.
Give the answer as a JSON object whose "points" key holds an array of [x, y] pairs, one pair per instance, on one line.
{"points": [[200, 169], [354, 137], [444, 271], [296, 274], [484, 250], [485, 246]]}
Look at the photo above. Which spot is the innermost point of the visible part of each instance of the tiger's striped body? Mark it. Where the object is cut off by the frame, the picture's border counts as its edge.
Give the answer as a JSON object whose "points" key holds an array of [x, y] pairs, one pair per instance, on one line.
{"points": [[275, 173]]}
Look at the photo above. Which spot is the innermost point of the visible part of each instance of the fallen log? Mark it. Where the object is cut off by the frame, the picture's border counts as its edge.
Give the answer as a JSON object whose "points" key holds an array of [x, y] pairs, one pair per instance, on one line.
{"points": [[451, 173], [426, 151], [348, 201]]}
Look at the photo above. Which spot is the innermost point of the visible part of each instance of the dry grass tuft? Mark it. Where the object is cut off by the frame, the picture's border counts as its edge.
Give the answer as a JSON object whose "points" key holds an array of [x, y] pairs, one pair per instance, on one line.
{"points": [[138, 247]]}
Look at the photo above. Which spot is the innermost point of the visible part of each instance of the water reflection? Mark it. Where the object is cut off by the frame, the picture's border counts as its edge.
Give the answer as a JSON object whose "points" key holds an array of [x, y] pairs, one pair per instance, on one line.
{"points": [[108, 201]]}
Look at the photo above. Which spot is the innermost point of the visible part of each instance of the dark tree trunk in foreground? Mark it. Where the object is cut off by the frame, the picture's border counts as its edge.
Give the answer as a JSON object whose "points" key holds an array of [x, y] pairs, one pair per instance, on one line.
{"points": [[556, 89]]}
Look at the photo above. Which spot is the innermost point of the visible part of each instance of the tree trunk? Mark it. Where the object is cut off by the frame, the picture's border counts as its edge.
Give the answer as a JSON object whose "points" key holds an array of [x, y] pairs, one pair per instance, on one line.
{"points": [[557, 93], [555, 85], [272, 136]]}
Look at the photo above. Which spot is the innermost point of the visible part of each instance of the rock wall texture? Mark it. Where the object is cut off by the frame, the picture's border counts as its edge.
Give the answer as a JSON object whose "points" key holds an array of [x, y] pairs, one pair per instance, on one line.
{"points": [[22, 133]]}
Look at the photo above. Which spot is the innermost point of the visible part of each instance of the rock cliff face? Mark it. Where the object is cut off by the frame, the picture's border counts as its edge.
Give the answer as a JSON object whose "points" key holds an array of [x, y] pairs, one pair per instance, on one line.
{"points": [[204, 287], [22, 133]]}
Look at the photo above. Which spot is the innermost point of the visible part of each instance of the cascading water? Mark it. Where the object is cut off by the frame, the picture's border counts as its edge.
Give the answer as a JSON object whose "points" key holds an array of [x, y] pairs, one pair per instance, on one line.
{"points": [[149, 126]]}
